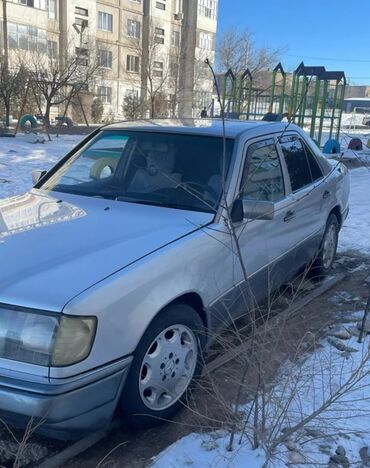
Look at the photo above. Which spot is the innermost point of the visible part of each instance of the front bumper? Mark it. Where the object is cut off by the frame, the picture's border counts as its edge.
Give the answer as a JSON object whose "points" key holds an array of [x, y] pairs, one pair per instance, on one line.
{"points": [[64, 408]]}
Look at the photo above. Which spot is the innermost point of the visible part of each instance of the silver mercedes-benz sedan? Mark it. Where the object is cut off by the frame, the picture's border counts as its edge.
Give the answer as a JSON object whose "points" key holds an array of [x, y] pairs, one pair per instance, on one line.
{"points": [[118, 265]]}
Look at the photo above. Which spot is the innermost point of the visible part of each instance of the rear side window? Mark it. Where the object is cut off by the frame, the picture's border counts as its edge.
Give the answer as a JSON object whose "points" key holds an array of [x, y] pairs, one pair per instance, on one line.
{"points": [[262, 176], [316, 172], [302, 166]]}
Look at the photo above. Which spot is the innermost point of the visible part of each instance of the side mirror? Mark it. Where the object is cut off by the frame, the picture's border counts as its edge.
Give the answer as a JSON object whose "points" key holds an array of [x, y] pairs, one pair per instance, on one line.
{"points": [[252, 209], [37, 175], [258, 209]]}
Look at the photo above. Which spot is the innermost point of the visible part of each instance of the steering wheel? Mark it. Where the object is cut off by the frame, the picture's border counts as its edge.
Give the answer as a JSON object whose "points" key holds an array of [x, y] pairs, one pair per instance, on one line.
{"points": [[203, 188]]}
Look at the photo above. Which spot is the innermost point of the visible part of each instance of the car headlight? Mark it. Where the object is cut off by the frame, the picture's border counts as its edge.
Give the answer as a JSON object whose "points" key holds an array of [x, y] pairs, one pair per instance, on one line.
{"points": [[45, 339]]}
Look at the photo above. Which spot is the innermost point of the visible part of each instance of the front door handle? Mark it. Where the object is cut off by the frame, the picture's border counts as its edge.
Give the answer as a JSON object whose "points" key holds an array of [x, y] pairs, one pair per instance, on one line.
{"points": [[326, 194], [289, 216]]}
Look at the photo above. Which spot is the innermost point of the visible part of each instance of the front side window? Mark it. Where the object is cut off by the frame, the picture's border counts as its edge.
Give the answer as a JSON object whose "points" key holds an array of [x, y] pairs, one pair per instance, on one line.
{"points": [[105, 21], [303, 168], [262, 177], [165, 169]]}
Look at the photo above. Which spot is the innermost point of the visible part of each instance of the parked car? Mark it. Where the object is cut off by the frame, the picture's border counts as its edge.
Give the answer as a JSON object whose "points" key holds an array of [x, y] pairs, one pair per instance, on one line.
{"points": [[117, 265]]}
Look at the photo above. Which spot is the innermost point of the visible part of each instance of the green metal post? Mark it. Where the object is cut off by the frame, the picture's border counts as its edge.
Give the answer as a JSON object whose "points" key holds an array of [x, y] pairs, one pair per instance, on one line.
{"points": [[224, 92], [296, 98], [314, 106], [323, 109], [233, 94], [291, 100], [334, 109], [240, 93], [249, 99], [341, 103], [302, 102], [272, 91], [282, 96]]}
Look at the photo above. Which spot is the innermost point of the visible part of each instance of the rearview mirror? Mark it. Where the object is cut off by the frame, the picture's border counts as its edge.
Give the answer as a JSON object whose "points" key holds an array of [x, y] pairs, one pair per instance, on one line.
{"points": [[257, 209], [37, 175]]}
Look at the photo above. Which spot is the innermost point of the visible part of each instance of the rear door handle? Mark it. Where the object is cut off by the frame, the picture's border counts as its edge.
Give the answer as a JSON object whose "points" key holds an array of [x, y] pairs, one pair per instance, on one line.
{"points": [[289, 216], [326, 194]]}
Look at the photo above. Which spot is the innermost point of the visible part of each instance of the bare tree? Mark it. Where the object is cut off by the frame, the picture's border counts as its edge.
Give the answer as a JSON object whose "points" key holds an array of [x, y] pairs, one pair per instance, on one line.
{"points": [[237, 50], [154, 66], [12, 85], [59, 78]]}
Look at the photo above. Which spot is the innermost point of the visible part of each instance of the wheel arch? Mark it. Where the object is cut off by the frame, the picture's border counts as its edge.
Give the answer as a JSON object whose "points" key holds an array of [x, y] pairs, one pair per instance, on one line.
{"points": [[338, 213], [191, 299]]}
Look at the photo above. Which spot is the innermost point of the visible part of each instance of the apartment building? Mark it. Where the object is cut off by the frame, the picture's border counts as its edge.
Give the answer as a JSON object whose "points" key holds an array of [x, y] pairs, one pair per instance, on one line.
{"points": [[143, 46]]}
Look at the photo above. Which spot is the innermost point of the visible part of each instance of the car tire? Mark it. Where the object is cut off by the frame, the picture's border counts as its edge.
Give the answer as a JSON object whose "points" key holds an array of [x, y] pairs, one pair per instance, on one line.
{"points": [[324, 260], [166, 363]]}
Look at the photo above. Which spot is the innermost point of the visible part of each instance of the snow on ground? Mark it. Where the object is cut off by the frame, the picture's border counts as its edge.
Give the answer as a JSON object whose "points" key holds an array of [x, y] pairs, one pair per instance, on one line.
{"points": [[19, 156], [355, 234], [300, 390]]}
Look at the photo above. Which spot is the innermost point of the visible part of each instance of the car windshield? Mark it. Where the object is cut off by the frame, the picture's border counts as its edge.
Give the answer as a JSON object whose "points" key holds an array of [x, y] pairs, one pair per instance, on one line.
{"points": [[165, 169]]}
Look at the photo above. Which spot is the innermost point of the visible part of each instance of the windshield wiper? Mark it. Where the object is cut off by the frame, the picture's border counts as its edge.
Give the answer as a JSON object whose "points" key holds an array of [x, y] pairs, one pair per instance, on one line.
{"points": [[164, 204]]}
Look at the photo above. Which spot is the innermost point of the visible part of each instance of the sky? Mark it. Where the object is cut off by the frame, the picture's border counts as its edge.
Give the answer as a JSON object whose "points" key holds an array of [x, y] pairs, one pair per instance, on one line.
{"points": [[332, 33]]}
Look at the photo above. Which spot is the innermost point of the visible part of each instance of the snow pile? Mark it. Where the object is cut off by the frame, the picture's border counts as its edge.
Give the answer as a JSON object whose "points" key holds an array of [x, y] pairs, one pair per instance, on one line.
{"points": [[355, 234]]}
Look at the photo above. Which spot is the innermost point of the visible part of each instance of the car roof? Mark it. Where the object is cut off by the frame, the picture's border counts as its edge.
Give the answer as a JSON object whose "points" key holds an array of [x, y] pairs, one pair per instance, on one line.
{"points": [[210, 127]]}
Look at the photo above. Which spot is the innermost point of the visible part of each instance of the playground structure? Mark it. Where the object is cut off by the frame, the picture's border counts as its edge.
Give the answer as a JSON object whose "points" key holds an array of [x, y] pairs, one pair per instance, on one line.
{"points": [[31, 122], [311, 97]]}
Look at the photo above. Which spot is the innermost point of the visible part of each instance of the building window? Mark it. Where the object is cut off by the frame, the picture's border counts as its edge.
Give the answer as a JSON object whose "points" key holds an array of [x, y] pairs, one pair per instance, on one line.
{"points": [[105, 21], [133, 28], [105, 58], [132, 64], [81, 11], [105, 94], [160, 5], [52, 49], [159, 35], [208, 8], [52, 9], [158, 69], [27, 38], [205, 41], [175, 38], [41, 4]]}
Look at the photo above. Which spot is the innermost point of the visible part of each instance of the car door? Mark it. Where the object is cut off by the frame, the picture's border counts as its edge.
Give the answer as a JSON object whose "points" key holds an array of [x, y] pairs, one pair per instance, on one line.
{"points": [[298, 223], [261, 180]]}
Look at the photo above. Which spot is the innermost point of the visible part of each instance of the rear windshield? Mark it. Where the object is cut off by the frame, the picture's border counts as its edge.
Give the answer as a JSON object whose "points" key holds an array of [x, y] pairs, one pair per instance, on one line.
{"points": [[171, 170]]}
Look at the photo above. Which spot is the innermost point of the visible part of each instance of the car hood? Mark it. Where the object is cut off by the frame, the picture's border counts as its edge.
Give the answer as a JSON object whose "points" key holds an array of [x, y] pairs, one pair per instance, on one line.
{"points": [[52, 249]]}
